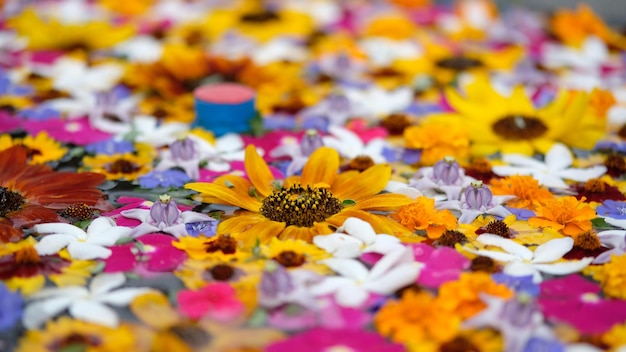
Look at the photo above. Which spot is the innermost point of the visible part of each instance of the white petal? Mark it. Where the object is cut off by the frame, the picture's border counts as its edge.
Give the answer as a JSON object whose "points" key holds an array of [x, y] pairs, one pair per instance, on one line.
{"points": [[123, 296], [94, 312], [339, 245], [613, 238], [142, 215], [564, 268], [359, 229], [110, 236], [52, 244], [616, 222], [395, 279], [384, 244], [550, 180], [553, 250], [60, 228], [468, 215], [348, 268], [510, 170], [100, 224], [508, 245], [520, 269], [351, 296], [330, 284], [229, 142], [558, 157], [106, 282], [87, 251], [582, 175], [499, 256], [37, 313], [390, 261], [522, 160]]}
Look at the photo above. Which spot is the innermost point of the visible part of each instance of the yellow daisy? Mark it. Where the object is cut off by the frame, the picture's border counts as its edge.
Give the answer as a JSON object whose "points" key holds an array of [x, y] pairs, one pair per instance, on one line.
{"points": [[511, 124], [317, 202], [296, 254], [125, 166], [40, 148]]}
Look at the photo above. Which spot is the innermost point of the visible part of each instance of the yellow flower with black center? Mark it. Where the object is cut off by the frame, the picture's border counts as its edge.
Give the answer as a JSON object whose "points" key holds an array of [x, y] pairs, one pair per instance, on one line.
{"points": [[296, 254], [125, 166], [512, 124], [40, 149], [317, 202]]}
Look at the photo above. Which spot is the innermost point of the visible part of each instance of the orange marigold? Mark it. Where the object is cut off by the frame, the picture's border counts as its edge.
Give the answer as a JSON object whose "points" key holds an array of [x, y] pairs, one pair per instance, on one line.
{"points": [[613, 277], [526, 189], [417, 317], [422, 215], [463, 295], [437, 140], [570, 216]]}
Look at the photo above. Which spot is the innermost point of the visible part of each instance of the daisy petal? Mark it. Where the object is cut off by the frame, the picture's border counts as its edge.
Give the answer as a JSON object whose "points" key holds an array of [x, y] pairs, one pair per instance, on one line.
{"points": [[351, 296], [52, 244], [395, 279], [106, 282], [359, 229], [348, 268], [508, 245], [123, 296], [94, 312], [339, 245], [564, 268], [60, 228], [37, 313], [558, 157], [553, 250]]}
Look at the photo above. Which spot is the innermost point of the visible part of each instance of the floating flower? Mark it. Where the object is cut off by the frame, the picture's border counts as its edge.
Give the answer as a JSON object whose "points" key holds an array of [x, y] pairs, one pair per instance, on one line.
{"points": [[216, 301], [315, 198], [422, 215], [440, 265], [476, 200], [11, 308], [529, 194], [150, 253], [612, 277], [40, 148], [125, 166], [570, 216], [437, 140]]}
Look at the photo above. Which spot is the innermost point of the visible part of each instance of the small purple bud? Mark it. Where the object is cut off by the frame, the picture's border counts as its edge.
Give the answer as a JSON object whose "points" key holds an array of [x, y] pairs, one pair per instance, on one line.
{"points": [[519, 311], [478, 196], [310, 142], [183, 149], [447, 171], [338, 103], [164, 211], [275, 284]]}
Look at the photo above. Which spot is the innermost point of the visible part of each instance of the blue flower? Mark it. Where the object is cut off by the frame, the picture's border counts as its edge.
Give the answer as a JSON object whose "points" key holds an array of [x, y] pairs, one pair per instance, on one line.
{"points": [[7, 87], [167, 178], [10, 307], [519, 284], [110, 147], [520, 213], [544, 345], [612, 209], [41, 113], [205, 228]]}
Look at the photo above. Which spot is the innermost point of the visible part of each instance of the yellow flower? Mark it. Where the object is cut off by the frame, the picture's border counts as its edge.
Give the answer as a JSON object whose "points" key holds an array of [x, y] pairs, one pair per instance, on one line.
{"points": [[51, 34], [417, 318], [128, 8], [463, 295], [613, 277], [317, 202], [616, 337], [512, 124], [66, 333], [222, 248], [529, 194], [392, 25], [125, 166], [40, 148], [436, 140], [517, 230], [296, 254], [422, 215], [570, 216]]}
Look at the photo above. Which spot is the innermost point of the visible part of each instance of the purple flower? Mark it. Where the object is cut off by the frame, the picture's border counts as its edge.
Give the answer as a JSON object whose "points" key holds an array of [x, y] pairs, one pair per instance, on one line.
{"points": [[166, 178], [520, 284], [446, 171], [440, 265], [544, 345], [324, 339], [183, 149], [521, 213], [612, 209], [110, 147], [310, 142], [41, 113], [576, 301], [478, 196], [8, 87], [10, 307], [411, 156], [609, 146]]}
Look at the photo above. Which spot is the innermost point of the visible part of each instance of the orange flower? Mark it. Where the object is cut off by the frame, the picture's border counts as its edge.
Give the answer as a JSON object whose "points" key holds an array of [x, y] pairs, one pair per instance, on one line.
{"points": [[570, 216], [394, 26], [463, 295], [437, 140], [573, 27], [423, 216], [529, 194]]}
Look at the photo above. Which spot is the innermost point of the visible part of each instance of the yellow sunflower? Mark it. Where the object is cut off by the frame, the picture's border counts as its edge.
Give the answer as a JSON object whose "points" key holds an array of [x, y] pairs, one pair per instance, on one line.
{"points": [[511, 124], [90, 36], [67, 334], [296, 254], [317, 202], [40, 148], [125, 166]]}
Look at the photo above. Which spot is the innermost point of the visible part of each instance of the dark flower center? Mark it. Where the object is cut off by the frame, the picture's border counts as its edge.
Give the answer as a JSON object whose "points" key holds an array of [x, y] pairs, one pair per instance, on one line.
{"points": [[622, 132], [615, 164], [290, 259], [222, 272], [122, 166], [395, 124], [386, 72], [499, 227], [300, 206], [112, 117], [192, 335], [76, 342], [224, 243], [458, 344], [8, 108], [595, 185], [519, 127], [9, 201], [459, 63], [588, 241], [450, 238], [485, 264], [262, 16], [481, 165], [79, 212], [361, 163]]}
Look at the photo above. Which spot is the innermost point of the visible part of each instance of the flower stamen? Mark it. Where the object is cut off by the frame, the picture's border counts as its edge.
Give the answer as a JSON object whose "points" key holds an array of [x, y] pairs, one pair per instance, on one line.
{"points": [[519, 127], [9, 201], [299, 206]]}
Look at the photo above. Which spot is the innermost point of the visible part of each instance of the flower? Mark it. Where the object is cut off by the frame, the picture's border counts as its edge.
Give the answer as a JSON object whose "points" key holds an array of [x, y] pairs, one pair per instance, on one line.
{"points": [[476, 200], [328, 339], [511, 124], [90, 244], [40, 149], [422, 215], [440, 265], [87, 304], [355, 237], [10, 308], [168, 178], [437, 140], [147, 254], [445, 176], [68, 333], [266, 217], [350, 146], [77, 131], [463, 296], [298, 152], [615, 240], [165, 216], [529, 194], [568, 215], [521, 261], [33, 193], [612, 277], [355, 282], [216, 301], [612, 209], [551, 172], [125, 166], [417, 317]]}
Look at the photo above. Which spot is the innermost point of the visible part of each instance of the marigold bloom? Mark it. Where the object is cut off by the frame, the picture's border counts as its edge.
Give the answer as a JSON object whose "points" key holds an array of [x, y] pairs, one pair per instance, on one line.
{"points": [[394, 26], [529, 194], [417, 317], [437, 140], [574, 26], [463, 295], [570, 216], [613, 277], [422, 215]]}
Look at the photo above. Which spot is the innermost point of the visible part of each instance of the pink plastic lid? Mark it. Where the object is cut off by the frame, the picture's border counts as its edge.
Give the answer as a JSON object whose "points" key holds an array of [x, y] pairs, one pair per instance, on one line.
{"points": [[224, 93]]}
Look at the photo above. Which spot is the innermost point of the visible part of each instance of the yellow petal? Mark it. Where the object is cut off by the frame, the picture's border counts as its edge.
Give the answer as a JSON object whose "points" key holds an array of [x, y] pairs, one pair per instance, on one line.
{"points": [[321, 167], [226, 195], [264, 231], [258, 172], [383, 202], [367, 183]]}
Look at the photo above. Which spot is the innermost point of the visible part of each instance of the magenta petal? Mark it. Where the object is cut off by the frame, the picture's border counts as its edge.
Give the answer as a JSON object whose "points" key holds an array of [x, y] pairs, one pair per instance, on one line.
{"points": [[422, 251], [440, 265], [121, 259], [165, 257]]}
